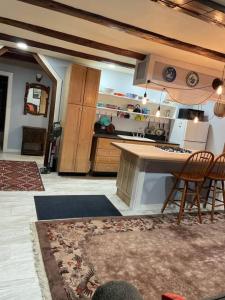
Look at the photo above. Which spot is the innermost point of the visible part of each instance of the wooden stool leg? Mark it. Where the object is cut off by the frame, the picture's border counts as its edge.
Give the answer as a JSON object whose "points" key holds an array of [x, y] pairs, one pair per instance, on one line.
{"points": [[195, 198], [222, 183], [168, 199], [182, 203], [208, 192], [213, 200], [198, 202]]}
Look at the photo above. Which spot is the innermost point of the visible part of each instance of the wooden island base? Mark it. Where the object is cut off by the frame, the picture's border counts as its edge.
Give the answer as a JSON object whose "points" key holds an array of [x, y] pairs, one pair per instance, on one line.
{"points": [[144, 176]]}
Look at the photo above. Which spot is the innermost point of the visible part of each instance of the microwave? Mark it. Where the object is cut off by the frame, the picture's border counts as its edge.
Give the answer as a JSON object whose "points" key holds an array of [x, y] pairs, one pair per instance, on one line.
{"points": [[190, 114]]}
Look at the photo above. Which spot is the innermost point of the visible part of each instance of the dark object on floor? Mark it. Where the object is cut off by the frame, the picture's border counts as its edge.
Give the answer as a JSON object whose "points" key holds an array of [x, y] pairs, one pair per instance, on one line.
{"points": [[73, 206], [20, 176], [117, 290]]}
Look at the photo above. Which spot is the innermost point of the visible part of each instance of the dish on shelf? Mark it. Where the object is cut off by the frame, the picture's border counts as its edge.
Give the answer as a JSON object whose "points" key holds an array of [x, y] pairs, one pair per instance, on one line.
{"points": [[130, 95], [100, 104], [108, 90], [119, 94], [111, 106]]}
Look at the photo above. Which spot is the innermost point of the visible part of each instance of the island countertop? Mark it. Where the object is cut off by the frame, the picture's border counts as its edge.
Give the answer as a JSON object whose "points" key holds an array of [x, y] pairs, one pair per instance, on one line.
{"points": [[151, 153]]}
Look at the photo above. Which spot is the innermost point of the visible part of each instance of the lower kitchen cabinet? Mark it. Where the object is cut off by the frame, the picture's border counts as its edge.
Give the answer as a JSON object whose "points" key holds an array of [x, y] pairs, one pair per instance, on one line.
{"points": [[77, 139], [105, 158]]}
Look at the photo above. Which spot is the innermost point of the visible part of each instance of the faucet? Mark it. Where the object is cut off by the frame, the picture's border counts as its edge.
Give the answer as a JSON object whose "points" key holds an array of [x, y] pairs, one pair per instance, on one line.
{"points": [[139, 133]]}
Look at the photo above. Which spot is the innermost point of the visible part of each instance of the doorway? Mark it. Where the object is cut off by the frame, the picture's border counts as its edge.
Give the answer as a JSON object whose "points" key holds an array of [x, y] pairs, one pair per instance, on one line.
{"points": [[3, 99]]}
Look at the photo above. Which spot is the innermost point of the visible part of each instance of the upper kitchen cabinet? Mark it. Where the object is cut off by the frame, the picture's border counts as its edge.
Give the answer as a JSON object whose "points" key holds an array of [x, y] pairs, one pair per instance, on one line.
{"points": [[77, 84], [91, 87], [78, 120], [83, 86]]}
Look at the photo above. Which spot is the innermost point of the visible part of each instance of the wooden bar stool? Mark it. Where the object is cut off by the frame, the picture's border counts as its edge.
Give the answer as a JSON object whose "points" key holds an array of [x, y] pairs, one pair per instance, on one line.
{"points": [[216, 176], [193, 171]]}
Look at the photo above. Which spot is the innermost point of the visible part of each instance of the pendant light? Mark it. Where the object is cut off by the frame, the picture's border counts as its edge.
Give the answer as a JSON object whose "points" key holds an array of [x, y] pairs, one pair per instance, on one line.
{"points": [[158, 113], [196, 119], [218, 84], [144, 99]]}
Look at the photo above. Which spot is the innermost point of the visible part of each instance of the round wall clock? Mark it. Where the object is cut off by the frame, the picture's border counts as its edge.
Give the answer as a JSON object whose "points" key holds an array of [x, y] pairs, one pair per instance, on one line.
{"points": [[169, 74], [192, 79]]}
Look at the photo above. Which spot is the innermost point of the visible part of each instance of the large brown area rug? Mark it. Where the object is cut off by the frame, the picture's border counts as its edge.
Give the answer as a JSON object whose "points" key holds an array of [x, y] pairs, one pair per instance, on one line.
{"points": [[20, 176], [152, 253]]}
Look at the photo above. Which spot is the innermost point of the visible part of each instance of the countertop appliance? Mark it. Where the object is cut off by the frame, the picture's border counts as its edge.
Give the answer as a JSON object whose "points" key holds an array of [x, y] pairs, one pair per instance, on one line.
{"points": [[188, 134], [190, 114], [172, 149]]}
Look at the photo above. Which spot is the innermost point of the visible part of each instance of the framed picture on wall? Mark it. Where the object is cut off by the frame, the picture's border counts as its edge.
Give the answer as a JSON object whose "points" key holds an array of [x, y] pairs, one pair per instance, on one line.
{"points": [[37, 93]]}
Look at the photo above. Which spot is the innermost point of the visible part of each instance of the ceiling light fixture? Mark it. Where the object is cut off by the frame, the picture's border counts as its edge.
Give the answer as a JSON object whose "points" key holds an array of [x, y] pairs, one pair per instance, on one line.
{"points": [[22, 45], [112, 66], [144, 99]]}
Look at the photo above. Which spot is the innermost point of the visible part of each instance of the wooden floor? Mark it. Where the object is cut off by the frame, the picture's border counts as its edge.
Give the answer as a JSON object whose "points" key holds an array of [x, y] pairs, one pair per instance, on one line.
{"points": [[18, 278]]}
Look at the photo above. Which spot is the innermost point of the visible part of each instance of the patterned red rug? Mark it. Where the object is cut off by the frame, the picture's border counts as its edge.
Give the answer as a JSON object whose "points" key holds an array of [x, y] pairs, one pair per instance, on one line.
{"points": [[20, 176], [152, 253]]}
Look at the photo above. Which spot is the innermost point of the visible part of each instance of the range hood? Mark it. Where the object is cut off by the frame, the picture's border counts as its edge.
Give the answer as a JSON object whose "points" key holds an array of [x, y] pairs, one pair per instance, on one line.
{"points": [[153, 68]]}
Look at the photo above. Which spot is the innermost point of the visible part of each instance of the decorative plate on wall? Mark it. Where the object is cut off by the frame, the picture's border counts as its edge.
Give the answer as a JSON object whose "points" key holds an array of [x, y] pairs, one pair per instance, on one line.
{"points": [[169, 74], [192, 79]]}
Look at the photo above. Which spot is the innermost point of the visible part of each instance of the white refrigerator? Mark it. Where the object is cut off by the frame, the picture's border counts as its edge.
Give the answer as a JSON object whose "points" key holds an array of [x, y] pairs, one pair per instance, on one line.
{"points": [[188, 134]]}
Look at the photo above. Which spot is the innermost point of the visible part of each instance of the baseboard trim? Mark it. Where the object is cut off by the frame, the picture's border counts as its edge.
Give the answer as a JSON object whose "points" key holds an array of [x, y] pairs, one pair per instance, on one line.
{"points": [[11, 151]]}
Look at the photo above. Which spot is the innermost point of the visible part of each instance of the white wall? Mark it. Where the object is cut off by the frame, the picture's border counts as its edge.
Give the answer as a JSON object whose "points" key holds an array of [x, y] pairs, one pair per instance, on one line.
{"points": [[216, 136], [22, 73]]}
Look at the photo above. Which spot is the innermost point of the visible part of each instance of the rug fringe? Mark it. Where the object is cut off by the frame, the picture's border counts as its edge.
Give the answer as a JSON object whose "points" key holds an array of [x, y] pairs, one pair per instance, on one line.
{"points": [[39, 265]]}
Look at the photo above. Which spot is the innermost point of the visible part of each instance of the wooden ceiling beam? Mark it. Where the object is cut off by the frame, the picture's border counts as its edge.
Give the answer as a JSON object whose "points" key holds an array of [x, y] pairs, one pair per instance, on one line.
{"points": [[72, 38], [127, 28], [65, 51], [3, 50], [212, 4]]}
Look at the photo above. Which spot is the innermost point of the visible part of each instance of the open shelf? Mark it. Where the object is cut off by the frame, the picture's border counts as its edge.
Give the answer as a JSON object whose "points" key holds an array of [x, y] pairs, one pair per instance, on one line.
{"points": [[138, 101], [168, 111], [135, 113]]}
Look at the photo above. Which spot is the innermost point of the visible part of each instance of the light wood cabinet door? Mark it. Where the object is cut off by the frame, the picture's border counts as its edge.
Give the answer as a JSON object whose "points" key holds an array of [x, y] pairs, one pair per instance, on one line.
{"points": [[77, 84], [70, 138], [82, 163], [91, 87]]}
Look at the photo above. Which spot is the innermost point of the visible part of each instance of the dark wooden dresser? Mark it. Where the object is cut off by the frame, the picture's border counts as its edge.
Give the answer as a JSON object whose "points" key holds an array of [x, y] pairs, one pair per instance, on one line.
{"points": [[33, 142]]}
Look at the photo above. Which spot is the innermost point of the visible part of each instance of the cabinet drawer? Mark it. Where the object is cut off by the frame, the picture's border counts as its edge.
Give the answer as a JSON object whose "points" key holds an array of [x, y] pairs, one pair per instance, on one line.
{"points": [[108, 152], [106, 143], [107, 159], [103, 167]]}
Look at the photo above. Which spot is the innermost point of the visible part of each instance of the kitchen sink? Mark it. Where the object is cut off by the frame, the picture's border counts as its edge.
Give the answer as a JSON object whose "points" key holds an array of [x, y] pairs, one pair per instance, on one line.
{"points": [[135, 138]]}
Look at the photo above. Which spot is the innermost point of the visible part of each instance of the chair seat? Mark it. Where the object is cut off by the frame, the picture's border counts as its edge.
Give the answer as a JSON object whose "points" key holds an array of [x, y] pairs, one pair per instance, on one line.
{"points": [[215, 176], [188, 177]]}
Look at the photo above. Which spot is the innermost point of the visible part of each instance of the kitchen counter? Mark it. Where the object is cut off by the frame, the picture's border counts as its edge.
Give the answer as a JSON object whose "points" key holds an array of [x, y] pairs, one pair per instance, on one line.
{"points": [[151, 153], [115, 136], [144, 177]]}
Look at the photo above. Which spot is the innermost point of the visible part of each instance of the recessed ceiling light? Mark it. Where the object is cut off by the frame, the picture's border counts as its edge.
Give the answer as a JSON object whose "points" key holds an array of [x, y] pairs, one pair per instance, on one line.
{"points": [[22, 45], [112, 66]]}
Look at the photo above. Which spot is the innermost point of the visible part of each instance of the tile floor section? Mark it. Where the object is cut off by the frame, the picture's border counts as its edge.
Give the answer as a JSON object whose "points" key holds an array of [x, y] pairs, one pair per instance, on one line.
{"points": [[18, 278]]}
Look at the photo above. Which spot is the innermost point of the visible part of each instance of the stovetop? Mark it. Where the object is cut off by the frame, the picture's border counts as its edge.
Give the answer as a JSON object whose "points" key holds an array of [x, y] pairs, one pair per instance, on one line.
{"points": [[175, 150]]}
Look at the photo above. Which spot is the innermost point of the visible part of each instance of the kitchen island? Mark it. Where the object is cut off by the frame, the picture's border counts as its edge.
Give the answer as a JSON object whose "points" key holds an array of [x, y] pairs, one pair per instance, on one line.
{"points": [[144, 176]]}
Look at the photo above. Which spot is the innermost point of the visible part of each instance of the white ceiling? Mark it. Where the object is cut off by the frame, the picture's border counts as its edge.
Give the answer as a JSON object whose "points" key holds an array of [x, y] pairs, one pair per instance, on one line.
{"points": [[142, 13]]}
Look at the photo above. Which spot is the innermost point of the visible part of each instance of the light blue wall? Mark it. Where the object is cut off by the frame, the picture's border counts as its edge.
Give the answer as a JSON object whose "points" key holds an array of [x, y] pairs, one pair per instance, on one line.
{"points": [[123, 82], [22, 74], [60, 66]]}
